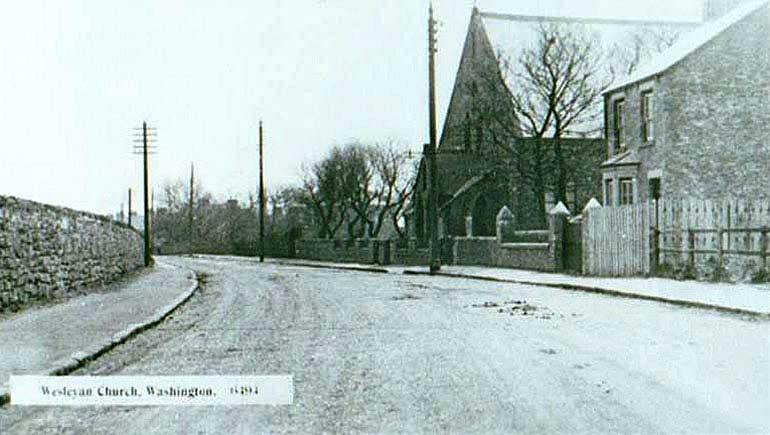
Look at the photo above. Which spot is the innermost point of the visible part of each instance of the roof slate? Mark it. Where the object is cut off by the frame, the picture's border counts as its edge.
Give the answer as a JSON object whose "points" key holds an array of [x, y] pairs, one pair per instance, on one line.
{"points": [[688, 44]]}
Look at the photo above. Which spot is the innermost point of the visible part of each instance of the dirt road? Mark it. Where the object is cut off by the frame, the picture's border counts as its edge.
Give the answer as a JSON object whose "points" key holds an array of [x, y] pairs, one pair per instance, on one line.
{"points": [[389, 353]]}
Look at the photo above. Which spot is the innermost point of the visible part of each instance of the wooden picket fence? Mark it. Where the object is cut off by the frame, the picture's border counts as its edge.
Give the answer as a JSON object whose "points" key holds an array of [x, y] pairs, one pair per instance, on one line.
{"points": [[616, 240], [721, 239]]}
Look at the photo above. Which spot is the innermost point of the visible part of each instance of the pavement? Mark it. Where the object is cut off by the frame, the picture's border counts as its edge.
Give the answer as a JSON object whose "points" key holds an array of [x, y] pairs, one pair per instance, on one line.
{"points": [[56, 339], [737, 298]]}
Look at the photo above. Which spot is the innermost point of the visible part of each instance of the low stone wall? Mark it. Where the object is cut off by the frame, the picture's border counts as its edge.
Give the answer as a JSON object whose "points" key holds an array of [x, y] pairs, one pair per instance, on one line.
{"points": [[487, 251], [468, 251], [409, 256], [343, 251], [542, 250], [48, 252], [362, 251]]}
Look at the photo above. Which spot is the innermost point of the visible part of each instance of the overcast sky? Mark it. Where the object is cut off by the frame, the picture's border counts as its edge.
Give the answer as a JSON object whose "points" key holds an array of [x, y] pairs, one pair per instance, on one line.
{"points": [[77, 76]]}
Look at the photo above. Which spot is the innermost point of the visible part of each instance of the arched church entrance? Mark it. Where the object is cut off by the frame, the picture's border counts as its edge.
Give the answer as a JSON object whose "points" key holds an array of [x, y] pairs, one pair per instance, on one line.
{"points": [[484, 212]]}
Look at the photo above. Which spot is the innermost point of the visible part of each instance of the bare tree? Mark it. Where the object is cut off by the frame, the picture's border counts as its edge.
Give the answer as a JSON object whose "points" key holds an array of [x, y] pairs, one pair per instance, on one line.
{"points": [[553, 90], [557, 87], [337, 189], [358, 179], [360, 186], [640, 44], [322, 184], [392, 187], [404, 187]]}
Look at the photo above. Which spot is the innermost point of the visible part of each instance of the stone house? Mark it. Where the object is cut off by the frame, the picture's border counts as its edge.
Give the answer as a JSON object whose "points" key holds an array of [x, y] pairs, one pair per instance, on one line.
{"points": [[695, 120]]}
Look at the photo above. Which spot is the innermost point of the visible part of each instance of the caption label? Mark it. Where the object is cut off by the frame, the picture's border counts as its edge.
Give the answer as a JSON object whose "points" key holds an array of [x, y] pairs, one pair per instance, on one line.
{"points": [[151, 390]]}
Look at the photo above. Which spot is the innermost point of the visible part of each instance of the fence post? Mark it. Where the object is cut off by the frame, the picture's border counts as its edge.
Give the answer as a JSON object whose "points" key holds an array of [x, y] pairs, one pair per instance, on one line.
{"points": [[654, 236], [691, 248], [763, 247], [386, 247], [720, 248], [654, 250], [589, 254], [557, 219], [505, 225], [469, 226]]}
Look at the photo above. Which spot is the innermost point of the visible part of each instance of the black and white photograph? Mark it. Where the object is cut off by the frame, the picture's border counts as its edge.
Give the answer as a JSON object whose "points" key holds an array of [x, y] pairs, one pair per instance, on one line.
{"points": [[385, 217]]}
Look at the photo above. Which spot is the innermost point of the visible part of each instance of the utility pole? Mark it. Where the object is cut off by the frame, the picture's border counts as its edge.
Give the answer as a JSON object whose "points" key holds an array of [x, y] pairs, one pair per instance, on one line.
{"points": [[435, 258], [261, 196], [130, 206], [146, 197], [145, 151], [191, 207]]}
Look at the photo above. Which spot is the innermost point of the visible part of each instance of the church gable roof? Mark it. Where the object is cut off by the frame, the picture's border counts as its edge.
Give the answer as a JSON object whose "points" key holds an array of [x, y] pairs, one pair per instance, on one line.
{"points": [[478, 76]]}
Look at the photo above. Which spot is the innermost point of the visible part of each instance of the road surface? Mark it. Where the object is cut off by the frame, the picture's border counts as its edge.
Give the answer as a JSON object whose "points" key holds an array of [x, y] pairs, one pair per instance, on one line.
{"points": [[373, 353]]}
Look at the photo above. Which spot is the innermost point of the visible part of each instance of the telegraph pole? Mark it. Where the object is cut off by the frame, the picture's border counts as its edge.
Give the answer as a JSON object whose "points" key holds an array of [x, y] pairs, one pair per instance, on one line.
{"points": [[191, 206], [435, 258], [130, 206], [146, 197], [145, 152], [261, 196]]}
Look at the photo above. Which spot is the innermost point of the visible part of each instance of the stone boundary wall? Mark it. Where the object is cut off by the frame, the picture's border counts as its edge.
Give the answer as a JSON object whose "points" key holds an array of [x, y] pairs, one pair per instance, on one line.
{"points": [[343, 251], [488, 251], [542, 250], [48, 252], [362, 251], [410, 256], [467, 251]]}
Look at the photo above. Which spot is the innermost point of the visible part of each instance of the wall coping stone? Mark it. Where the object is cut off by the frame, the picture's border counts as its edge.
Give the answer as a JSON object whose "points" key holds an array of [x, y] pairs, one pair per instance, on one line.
{"points": [[531, 246], [7, 200]]}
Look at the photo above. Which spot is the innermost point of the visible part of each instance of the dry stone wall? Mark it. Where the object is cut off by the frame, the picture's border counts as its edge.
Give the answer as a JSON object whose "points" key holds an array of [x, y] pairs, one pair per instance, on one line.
{"points": [[49, 252]]}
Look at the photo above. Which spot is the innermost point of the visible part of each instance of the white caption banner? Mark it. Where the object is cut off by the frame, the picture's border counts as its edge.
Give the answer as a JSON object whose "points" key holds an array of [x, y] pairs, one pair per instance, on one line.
{"points": [[151, 390]]}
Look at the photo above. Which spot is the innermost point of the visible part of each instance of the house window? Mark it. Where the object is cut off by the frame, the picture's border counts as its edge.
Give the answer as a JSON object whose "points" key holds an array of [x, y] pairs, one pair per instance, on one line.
{"points": [[620, 124], [608, 192], [626, 191], [648, 128]]}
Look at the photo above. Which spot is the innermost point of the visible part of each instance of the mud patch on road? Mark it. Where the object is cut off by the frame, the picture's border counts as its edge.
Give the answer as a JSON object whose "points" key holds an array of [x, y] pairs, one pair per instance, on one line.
{"points": [[519, 308], [486, 304], [408, 285], [405, 297]]}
